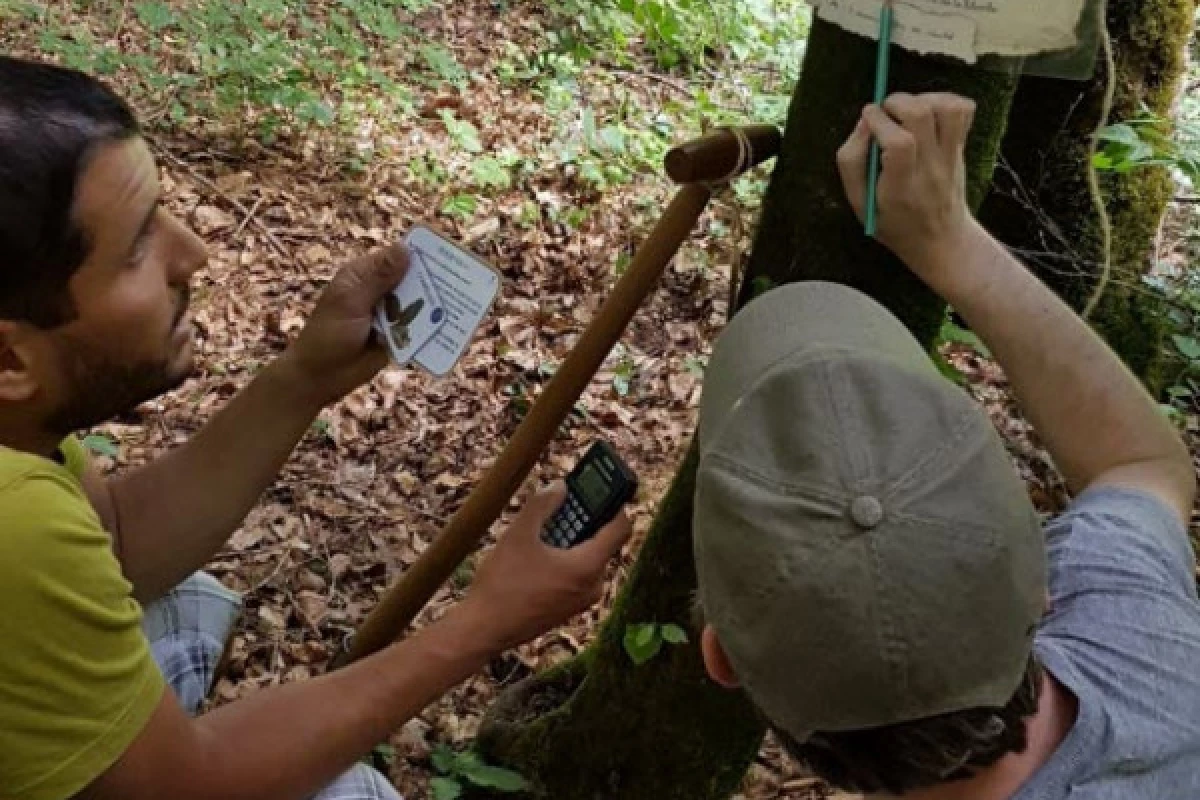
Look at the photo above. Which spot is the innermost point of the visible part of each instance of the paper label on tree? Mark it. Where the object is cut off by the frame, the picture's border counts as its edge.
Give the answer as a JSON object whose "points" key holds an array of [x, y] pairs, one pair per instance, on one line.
{"points": [[965, 29], [915, 28]]}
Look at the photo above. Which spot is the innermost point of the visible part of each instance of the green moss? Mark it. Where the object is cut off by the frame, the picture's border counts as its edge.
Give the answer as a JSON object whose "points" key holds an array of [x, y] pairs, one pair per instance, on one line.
{"points": [[599, 727]]}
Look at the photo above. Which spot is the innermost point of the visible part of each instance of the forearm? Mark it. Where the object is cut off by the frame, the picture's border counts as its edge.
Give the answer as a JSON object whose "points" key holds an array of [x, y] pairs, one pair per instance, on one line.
{"points": [[289, 742], [1094, 416], [176, 512]]}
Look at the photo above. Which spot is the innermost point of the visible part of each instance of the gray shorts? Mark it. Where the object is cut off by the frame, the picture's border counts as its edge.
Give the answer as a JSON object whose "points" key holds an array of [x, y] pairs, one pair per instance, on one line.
{"points": [[188, 629]]}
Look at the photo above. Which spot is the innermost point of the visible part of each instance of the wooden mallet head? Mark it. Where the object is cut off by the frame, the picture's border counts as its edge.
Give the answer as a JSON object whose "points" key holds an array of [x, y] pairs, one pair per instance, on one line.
{"points": [[723, 155]]}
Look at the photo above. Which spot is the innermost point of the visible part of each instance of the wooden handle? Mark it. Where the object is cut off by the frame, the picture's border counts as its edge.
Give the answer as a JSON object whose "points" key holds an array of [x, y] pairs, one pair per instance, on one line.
{"points": [[488, 500], [723, 154]]}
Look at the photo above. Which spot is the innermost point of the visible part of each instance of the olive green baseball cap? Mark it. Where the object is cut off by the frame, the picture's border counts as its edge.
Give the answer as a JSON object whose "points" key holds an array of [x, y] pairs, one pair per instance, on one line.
{"points": [[866, 552]]}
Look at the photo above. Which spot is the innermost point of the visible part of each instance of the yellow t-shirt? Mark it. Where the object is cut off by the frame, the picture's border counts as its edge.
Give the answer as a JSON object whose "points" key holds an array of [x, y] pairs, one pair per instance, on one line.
{"points": [[77, 681]]}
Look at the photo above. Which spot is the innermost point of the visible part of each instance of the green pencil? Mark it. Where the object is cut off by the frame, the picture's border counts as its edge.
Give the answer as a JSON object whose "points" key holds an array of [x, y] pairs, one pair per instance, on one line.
{"points": [[886, 21]]}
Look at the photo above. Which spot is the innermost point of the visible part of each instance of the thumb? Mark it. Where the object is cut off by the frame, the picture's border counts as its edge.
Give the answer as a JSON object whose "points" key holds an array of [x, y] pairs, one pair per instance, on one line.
{"points": [[369, 278], [545, 502]]}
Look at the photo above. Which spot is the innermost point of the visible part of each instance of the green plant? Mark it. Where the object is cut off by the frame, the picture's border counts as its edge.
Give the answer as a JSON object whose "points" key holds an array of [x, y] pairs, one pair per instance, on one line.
{"points": [[696, 365], [458, 770], [261, 64], [490, 173], [625, 371], [460, 206], [645, 640], [428, 170], [443, 64], [464, 134], [953, 333], [1148, 141]]}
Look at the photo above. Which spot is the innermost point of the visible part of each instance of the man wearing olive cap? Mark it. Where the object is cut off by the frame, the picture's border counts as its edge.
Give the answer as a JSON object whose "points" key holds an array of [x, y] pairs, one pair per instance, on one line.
{"points": [[871, 570]]}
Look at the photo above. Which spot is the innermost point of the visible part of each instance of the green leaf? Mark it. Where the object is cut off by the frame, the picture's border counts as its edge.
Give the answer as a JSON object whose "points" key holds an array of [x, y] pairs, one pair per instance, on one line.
{"points": [[489, 172], [953, 333], [1188, 346], [443, 64], [1121, 133], [645, 634], [443, 759], [948, 370], [466, 761], [673, 634], [155, 15], [498, 778], [385, 752], [101, 444], [695, 365], [462, 206], [445, 788], [464, 133], [642, 642]]}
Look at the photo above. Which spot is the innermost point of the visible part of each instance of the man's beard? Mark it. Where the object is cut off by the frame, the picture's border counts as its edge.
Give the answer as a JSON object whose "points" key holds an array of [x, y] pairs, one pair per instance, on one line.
{"points": [[98, 388]]}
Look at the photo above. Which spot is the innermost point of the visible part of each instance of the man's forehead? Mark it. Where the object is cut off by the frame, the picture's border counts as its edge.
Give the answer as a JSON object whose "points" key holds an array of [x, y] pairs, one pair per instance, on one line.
{"points": [[120, 179]]}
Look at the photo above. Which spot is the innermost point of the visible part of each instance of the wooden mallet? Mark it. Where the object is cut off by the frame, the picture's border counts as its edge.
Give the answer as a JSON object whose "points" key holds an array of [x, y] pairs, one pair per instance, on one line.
{"points": [[699, 166]]}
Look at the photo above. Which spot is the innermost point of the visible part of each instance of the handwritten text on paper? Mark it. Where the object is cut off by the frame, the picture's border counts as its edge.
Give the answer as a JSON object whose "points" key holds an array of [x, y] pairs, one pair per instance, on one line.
{"points": [[966, 29]]}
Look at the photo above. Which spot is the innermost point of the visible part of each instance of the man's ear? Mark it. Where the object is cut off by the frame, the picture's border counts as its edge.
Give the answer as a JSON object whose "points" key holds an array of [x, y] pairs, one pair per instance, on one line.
{"points": [[716, 662], [18, 380]]}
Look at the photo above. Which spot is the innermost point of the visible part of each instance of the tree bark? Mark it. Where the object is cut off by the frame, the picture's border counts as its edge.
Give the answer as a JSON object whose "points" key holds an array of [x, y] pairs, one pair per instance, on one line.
{"points": [[1042, 205], [599, 727]]}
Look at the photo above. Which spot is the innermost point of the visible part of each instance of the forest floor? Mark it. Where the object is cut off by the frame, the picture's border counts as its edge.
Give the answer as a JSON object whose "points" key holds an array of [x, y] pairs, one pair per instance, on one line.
{"points": [[379, 473]]}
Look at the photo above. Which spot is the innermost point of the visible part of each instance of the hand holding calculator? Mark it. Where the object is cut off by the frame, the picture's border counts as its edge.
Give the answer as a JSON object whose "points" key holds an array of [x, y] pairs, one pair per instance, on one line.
{"points": [[596, 490]]}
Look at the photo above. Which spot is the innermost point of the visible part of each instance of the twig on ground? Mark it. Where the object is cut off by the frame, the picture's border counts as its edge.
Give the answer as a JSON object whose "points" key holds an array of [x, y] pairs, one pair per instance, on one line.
{"points": [[249, 217], [663, 79], [212, 187]]}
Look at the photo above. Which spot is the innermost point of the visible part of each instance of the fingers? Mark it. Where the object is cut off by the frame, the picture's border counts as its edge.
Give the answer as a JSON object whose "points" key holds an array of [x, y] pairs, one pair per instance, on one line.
{"points": [[899, 145], [609, 541], [852, 162], [955, 118], [915, 114]]}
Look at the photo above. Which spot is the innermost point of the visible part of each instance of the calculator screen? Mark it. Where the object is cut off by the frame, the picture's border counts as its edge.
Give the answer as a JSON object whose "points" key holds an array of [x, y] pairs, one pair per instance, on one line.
{"points": [[593, 488]]}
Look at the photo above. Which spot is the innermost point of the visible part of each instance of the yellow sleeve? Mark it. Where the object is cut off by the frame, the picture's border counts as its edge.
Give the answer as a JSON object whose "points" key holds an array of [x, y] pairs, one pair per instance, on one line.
{"points": [[77, 681], [75, 456]]}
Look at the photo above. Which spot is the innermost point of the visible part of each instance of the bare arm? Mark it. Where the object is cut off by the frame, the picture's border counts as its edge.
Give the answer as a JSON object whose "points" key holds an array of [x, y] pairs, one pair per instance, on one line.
{"points": [[172, 515], [1098, 422], [286, 743]]}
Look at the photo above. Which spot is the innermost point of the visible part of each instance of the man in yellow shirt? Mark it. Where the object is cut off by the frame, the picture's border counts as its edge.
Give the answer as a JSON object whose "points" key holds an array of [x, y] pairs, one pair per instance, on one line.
{"points": [[94, 279]]}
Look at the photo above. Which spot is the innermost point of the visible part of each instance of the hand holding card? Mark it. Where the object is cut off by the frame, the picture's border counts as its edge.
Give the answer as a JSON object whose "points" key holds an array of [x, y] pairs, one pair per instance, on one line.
{"points": [[431, 317]]}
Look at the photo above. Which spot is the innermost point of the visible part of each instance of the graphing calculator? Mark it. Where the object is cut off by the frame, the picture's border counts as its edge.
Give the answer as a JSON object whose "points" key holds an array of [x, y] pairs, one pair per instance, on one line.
{"points": [[597, 488]]}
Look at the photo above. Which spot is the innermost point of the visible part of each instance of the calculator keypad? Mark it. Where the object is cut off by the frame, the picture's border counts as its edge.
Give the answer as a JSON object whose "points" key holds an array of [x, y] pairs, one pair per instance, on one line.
{"points": [[566, 527]]}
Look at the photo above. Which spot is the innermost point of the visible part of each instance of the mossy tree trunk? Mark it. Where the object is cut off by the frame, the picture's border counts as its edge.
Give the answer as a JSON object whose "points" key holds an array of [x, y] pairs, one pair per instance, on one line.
{"points": [[1042, 205], [599, 727]]}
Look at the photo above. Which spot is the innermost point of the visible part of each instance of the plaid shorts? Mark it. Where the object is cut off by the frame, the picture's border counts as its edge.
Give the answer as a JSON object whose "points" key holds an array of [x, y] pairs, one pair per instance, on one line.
{"points": [[188, 629]]}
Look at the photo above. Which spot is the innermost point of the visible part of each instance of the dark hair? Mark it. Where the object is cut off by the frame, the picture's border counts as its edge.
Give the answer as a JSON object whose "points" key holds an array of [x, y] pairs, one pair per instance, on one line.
{"points": [[51, 120], [913, 755], [927, 752]]}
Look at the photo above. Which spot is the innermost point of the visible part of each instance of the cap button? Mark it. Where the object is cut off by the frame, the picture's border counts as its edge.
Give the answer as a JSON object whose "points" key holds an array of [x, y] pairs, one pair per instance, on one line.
{"points": [[867, 512]]}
